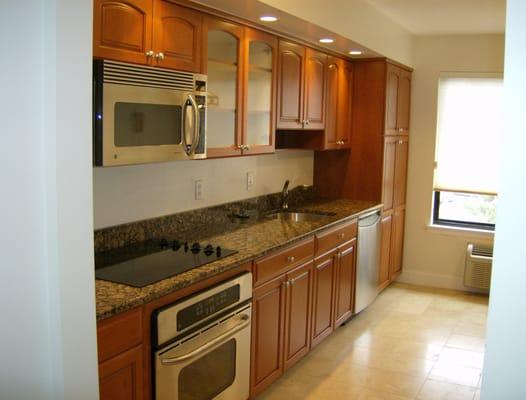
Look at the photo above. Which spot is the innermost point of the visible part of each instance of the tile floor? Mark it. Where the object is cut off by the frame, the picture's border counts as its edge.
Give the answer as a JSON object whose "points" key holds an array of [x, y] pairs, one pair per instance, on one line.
{"points": [[411, 343]]}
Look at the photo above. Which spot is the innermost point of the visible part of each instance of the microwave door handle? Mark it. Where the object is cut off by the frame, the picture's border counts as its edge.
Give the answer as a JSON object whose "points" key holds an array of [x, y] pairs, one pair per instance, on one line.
{"points": [[244, 321], [195, 141]]}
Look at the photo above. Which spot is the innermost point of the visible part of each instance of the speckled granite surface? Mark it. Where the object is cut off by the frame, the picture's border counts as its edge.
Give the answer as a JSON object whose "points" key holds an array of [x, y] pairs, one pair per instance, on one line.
{"points": [[251, 240]]}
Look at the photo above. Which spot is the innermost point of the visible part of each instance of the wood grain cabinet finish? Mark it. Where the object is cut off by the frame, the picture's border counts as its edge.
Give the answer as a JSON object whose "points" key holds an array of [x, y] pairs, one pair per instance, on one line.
{"points": [[291, 86], [338, 104], [177, 35], [345, 283], [397, 243], [151, 32], [315, 83], [121, 377], [122, 29], [396, 150], [397, 100], [323, 297], [385, 251]]}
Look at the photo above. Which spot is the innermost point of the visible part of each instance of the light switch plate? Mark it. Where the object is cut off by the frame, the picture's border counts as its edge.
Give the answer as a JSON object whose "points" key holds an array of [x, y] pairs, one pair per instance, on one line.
{"points": [[251, 179], [198, 189]]}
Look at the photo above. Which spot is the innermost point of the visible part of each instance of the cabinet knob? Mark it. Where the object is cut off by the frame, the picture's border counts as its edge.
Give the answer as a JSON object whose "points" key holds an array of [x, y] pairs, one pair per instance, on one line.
{"points": [[246, 147], [159, 56], [149, 53], [290, 259], [307, 122], [400, 142], [400, 129], [341, 235]]}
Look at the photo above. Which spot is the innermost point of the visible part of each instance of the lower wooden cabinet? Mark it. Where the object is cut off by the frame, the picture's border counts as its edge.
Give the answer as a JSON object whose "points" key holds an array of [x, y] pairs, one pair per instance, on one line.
{"points": [[345, 283], [397, 242], [121, 377], [385, 251], [392, 246], [324, 276]]}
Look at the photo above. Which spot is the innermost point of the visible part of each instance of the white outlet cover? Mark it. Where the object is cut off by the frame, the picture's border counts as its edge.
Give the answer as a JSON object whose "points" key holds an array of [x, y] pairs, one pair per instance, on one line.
{"points": [[198, 189], [251, 179]]}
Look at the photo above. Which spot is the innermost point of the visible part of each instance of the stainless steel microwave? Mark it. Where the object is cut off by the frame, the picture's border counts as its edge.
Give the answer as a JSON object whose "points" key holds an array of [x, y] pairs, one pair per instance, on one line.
{"points": [[145, 114]]}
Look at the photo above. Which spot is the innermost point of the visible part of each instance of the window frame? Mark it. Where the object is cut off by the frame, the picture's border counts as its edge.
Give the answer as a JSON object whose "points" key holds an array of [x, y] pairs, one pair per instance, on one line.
{"points": [[455, 223]]}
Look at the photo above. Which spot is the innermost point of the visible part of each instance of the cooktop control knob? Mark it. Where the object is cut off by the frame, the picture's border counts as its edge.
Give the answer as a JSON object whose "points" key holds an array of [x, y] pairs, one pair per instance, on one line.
{"points": [[176, 245], [209, 249], [196, 247], [164, 243], [218, 251], [185, 246]]}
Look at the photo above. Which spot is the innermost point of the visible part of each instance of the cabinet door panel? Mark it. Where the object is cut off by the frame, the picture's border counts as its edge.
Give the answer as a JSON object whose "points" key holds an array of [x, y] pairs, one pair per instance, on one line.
{"points": [[298, 313], [177, 34], [315, 72], [267, 333], [404, 101], [385, 251], [332, 102], [397, 242], [122, 30], [389, 173], [224, 125], [391, 100], [345, 105], [260, 88], [121, 377], [400, 172], [322, 326], [291, 79], [345, 283]]}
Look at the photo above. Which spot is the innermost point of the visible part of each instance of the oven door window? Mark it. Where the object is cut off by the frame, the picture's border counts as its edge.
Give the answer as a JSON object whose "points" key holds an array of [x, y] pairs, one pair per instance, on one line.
{"points": [[143, 124], [210, 374]]}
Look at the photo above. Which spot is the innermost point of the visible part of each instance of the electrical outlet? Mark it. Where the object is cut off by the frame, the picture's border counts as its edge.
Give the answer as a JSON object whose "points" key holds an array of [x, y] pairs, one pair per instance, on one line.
{"points": [[198, 189], [251, 179]]}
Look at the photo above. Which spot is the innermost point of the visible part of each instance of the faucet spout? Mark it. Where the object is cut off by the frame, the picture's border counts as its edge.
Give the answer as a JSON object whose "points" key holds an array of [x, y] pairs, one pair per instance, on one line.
{"points": [[285, 196]]}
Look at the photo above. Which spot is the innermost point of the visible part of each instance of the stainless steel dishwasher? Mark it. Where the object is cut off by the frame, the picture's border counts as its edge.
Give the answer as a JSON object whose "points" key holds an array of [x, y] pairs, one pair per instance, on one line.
{"points": [[369, 237]]}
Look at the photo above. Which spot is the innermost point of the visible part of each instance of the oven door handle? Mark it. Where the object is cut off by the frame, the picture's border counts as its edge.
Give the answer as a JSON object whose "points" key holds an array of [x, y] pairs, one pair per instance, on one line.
{"points": [[244, 322], [190, 149]]}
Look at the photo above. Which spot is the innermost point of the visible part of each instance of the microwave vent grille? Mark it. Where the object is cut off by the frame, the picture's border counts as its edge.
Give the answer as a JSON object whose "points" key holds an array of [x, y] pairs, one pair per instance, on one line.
{"points": [[139, 75]]}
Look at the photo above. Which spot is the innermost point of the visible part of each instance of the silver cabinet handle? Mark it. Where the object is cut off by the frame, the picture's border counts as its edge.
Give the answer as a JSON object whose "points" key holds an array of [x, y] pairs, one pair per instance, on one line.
{"points": [[246, 147], [244, 322], [400, 142], [189, 149], [291, 259], [159, 56], [149, 53]]}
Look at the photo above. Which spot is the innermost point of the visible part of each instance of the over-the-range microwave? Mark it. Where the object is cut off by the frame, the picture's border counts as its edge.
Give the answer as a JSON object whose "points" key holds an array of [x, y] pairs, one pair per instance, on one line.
{"points": [[145, 114]]}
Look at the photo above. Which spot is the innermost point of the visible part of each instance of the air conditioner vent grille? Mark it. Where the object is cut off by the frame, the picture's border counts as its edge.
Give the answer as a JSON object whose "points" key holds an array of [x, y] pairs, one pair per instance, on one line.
{"points": [[482, 250], [477, 270]]}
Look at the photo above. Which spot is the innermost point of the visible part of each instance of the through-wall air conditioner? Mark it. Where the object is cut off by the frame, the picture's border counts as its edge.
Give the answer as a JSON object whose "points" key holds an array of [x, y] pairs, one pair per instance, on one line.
{"points": [[477, 271]]}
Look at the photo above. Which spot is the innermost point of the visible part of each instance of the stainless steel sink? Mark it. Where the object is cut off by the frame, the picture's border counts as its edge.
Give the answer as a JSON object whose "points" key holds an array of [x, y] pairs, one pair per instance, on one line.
{"points": [[294, 216]]}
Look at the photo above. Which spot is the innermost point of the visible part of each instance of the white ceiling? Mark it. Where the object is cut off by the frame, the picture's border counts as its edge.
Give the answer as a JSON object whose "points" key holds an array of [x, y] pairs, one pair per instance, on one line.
{"points": [[443, 17]]}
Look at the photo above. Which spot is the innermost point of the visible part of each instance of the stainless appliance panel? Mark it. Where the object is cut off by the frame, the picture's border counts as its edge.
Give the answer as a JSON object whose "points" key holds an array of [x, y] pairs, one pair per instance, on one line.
{"points": [[369, 238]]}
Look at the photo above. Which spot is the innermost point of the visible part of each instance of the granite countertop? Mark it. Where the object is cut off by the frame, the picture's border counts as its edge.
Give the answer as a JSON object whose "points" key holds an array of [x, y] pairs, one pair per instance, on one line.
{"points": [[251, 240]]}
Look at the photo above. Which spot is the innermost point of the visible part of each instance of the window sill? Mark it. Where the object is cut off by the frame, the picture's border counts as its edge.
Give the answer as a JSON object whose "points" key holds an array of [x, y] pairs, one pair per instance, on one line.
{"points": [[459, 231]]}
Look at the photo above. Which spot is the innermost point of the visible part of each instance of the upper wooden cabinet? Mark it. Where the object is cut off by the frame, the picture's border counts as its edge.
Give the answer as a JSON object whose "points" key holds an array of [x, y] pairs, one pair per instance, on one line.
{"points": [[395, 171], [177, 36], [241, 68], [397, 100], [338, 104], [157, 33], [302, 84]]}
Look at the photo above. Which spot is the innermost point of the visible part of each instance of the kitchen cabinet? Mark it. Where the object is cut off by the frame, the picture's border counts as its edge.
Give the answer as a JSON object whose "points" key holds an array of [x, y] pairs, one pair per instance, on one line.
{"points": [[241, 68], [395, 171], [157, 33], [397, 100], [385, 250], [281, 312], [345, 282], [120, 354], [338, 104], [397, 243], [301, 87]]}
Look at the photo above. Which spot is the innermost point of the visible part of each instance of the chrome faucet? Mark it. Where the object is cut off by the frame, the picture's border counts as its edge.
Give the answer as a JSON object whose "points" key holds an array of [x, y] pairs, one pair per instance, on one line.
{"points": [[285, 196]]}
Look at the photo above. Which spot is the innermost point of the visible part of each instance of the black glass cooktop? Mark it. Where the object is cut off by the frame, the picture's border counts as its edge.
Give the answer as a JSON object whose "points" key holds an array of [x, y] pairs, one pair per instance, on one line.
{"points": [[150, 262]]}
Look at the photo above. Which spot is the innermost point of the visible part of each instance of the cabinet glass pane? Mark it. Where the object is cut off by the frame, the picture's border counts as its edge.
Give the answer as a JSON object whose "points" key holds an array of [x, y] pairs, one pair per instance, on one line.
{"points": [[222, 85], [259, 99]]}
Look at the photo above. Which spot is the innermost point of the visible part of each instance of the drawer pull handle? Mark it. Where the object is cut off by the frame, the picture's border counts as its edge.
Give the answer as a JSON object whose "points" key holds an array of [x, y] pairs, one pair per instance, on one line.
{"points": [[291, 259], [341, 235]]}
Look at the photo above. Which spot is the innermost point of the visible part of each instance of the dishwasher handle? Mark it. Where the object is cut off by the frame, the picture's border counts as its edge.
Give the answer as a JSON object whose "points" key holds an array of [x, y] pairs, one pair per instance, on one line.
{"points": [[369, 219]]}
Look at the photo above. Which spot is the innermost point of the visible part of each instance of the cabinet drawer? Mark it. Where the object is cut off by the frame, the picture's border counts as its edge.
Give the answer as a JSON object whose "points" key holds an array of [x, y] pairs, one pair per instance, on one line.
{"points": [[119, 333], [332, 238], [282, 261]]}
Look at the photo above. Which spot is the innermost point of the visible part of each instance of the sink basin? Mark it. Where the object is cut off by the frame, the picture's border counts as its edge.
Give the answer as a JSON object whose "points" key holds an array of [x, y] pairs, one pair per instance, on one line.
{"points": [[293, 216]]}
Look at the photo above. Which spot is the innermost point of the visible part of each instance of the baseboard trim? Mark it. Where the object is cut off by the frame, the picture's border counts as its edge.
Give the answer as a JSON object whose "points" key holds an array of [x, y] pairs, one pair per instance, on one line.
{"points": [[434, 280]]}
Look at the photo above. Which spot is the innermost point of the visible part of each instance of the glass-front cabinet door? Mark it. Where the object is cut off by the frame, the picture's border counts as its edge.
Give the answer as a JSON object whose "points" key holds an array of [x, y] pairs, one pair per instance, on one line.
{"points": [[260, 89], [224, 117]]}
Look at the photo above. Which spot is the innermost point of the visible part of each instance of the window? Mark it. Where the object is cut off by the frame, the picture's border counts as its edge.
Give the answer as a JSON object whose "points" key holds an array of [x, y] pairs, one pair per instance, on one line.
{"points": [[470, 109]]}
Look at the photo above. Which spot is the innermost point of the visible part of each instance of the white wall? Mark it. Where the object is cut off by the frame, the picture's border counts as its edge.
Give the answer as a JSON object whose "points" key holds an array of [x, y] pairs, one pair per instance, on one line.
{"points": [[435, 257], [132, 193], [504, 375], [357, 20], [47, 339]]}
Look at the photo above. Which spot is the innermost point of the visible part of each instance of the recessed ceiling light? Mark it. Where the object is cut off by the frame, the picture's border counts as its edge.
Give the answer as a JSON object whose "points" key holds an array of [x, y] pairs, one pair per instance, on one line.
{"points": [[355, 52], [326, 40], [268, 18]]}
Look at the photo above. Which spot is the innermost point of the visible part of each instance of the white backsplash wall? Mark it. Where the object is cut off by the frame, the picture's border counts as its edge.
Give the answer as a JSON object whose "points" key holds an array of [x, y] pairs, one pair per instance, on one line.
{"points": [[133, 193]]}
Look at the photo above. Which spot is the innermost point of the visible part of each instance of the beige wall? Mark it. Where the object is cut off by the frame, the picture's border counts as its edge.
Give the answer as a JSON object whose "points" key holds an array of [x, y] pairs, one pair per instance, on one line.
{"points": [[436, 256], [132, 193], [356, 20]]}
